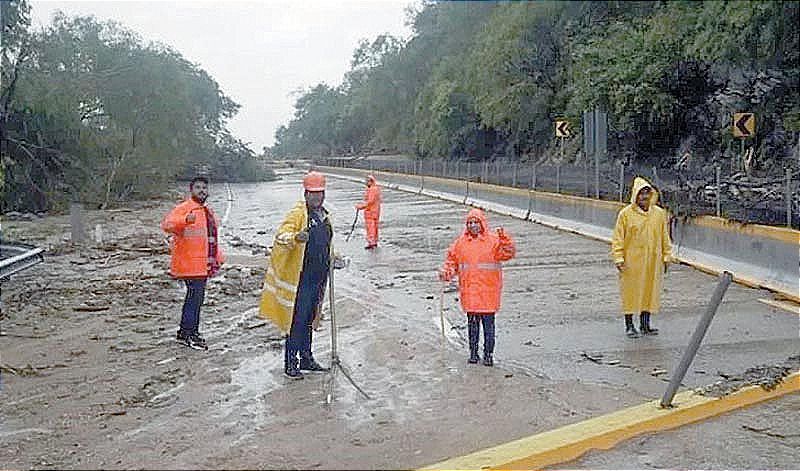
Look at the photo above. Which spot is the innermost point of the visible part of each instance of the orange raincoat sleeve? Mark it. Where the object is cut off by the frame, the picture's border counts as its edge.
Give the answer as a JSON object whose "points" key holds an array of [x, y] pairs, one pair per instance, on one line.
{"points": [[450, 267], [505, 248], [175, 221], [371, 199]]}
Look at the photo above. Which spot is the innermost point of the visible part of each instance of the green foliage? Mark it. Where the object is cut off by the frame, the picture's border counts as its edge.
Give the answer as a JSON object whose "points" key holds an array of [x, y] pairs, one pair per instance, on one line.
{"points": [[99, 116], [502, 72]]}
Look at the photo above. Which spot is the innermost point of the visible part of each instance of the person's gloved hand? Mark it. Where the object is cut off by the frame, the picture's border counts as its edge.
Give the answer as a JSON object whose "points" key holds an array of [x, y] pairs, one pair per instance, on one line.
{"points": [[301, 236], [444, 275], [190, 218]]}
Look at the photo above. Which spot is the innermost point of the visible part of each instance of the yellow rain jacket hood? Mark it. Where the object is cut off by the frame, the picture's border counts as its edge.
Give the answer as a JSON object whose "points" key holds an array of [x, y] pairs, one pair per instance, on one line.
{"points": [[641, 242], [283, 272]]}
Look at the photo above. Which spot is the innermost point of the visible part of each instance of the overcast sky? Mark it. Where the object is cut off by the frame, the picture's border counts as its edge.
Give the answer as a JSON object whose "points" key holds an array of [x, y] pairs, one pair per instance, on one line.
{"points": [[259, 52]]}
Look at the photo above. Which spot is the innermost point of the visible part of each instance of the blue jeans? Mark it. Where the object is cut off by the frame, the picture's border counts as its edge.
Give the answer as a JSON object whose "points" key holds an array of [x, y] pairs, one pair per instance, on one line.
{"points": [[474, 322], [190, 317], [305, 307]]}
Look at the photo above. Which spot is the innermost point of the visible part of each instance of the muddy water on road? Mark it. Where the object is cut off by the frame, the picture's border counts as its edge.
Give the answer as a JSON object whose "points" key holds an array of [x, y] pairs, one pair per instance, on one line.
{"points": [[561, 355]]}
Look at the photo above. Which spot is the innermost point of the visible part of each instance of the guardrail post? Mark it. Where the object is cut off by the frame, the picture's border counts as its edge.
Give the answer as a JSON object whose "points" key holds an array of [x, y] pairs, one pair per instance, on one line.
{"points": [[76, 223], [514, 178], [788, 197], [697, 337], [719, 191], [621, 180], [485, 171], [558, 178]]}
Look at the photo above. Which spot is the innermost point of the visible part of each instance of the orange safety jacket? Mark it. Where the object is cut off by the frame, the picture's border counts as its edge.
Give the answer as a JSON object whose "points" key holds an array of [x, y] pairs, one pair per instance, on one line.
{"points": [[476, 261], [189, 244]]}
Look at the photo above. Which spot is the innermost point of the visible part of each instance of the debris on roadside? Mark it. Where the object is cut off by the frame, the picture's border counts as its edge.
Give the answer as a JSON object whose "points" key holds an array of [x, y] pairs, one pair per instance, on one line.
{"points": [[766, 376]]}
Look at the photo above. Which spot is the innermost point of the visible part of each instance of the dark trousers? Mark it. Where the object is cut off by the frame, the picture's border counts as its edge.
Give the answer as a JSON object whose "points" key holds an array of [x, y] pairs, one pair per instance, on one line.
{"points": [[305, 307], [474, 322], [190, 317]]}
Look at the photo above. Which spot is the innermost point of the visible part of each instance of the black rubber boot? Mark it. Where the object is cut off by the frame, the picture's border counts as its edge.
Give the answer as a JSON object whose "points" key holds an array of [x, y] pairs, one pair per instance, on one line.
{"points": [[473, 328], [630, 330], [308, 363], [291, 366], [644, 324]]}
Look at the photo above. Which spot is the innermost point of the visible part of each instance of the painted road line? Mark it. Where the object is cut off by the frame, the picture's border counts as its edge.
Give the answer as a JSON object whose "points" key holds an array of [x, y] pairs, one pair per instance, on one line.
{"points": [[788, 306], [602, 433]]}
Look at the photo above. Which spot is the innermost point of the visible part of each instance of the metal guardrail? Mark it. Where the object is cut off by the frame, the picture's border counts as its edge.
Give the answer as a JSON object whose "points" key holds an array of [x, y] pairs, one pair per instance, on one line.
{"points": [[17, 257]]}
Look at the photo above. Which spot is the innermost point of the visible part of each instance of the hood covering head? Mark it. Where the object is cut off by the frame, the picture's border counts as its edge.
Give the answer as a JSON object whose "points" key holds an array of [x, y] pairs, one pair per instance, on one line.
{"points": [[371, 180], [476, 214], [638, 184]]}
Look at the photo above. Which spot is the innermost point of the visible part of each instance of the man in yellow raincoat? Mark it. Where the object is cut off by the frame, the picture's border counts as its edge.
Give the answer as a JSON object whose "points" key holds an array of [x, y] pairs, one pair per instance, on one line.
{"points": [[641, 250], [298, 270]]}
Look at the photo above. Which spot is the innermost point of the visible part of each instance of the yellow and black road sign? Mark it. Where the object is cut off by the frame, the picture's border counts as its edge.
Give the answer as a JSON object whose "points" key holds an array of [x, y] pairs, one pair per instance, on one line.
{"points": [[563, 129], [744, 124]]}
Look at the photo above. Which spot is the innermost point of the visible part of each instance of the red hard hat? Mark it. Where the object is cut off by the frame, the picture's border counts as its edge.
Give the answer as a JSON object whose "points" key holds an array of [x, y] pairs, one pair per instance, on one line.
{"points": [[314, 181]]}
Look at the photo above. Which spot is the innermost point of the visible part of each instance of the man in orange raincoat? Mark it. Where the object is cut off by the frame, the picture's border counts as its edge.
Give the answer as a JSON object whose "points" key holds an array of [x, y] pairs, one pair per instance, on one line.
{"points": [[641, 250], [372, 211], [475, 257], [196, 256]]}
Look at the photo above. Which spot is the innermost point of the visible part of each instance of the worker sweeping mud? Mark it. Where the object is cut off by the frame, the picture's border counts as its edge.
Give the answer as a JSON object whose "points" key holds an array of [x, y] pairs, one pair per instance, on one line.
{"points": [[641, 250], [372, 211], [196, 256], [475, 257], [294, 284]]}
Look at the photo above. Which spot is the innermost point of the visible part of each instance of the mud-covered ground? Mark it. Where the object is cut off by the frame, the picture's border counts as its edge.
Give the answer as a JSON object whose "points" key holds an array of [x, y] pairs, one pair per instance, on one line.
{"points": [[92, 376]]}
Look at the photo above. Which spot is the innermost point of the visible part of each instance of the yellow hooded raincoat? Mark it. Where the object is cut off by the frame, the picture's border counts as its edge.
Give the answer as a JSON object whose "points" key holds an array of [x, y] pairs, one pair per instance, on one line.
{"points": [[283, 272], [641, 241]]}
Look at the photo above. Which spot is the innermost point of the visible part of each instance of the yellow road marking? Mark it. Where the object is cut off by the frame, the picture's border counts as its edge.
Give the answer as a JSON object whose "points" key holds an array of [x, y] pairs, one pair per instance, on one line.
{"points": [[570, 442]]}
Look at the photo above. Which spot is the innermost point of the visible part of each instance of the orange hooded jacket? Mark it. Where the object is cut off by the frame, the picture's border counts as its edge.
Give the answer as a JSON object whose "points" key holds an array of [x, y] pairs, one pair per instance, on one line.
{"points": [[476, 261], [189, 246], [372, 200]]}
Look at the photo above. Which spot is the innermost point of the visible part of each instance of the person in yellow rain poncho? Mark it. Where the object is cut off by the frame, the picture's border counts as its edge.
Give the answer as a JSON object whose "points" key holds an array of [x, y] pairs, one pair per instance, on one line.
{"points": [[296, 275], [641, 250]]}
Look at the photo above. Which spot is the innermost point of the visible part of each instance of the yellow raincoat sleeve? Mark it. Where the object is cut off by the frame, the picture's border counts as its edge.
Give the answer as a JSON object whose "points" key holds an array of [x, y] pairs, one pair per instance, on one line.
{"points": [[283, 270], [293, 224], [618, 238], [666, 243]]}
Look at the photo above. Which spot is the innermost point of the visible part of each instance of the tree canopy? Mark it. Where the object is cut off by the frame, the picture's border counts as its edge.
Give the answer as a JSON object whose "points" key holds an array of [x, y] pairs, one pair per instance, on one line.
{"points": [[487, 79], [92, 113]]}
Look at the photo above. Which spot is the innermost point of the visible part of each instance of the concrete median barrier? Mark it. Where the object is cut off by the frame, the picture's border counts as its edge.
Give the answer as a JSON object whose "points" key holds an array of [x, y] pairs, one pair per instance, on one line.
{"points": [[758, 256]]}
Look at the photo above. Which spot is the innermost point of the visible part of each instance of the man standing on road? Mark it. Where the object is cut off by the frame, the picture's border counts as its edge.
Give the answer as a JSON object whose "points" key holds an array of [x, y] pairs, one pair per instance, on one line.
{"points": [[372, 211], [641, 250], [298, 270], [196, 256], [475, 257]]}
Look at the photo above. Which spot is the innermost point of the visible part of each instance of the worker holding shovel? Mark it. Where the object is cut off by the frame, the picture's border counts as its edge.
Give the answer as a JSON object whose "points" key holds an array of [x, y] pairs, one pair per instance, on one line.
{"points": [[372, 211], [475, 257]]}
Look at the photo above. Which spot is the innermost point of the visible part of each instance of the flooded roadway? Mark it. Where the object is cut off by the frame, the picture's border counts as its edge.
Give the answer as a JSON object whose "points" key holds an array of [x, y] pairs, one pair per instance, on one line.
{"points": [[561, 355]]}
